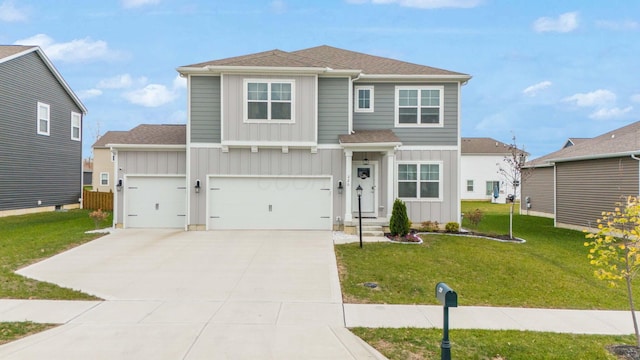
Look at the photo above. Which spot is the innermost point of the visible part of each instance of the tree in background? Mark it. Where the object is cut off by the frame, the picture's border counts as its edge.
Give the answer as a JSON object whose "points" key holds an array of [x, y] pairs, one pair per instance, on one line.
{"points": [[513, 171], [615, 249]]}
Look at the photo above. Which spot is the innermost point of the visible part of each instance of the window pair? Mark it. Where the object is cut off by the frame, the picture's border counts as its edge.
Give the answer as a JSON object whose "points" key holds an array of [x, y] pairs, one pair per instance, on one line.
{"points": [[44, 122]]}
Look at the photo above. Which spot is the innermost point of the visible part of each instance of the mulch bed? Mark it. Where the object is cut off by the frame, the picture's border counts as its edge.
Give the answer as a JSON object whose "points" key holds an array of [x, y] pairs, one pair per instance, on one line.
{"points": [[625, 352]]}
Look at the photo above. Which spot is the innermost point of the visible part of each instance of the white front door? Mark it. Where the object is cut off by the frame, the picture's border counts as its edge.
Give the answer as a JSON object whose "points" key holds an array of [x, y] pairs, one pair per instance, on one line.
{"points": [[366, 177]]}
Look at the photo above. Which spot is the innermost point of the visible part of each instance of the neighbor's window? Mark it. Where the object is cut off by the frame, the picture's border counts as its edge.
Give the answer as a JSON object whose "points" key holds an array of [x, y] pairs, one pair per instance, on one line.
{"points": [[364, 98], [419, 106], [76, 125], [420, 181], [269, 100], [470, 185], [104, 179], [493, 186], [43, 118]]}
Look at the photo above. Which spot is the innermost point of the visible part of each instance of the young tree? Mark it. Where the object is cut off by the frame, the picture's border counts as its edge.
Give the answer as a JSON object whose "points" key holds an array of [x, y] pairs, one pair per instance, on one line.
{"points": [[513, 171], [615, 249], [399, 223]]}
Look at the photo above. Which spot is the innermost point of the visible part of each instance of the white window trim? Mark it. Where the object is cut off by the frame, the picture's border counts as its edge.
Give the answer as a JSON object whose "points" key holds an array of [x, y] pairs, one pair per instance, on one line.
{"points": [[79, 126], [48, 119], [472, 185], [440, 197], [418, 124], [245, 100], [357, 107], [104, 173]]}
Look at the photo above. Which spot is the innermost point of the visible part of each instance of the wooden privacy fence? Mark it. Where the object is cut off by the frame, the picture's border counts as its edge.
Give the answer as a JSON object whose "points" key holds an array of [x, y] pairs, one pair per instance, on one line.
{"points": [[94, 200]]}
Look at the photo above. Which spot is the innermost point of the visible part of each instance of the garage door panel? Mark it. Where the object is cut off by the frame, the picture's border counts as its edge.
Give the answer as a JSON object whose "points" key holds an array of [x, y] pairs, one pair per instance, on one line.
{"points": [[155, 202], [270, 203]]}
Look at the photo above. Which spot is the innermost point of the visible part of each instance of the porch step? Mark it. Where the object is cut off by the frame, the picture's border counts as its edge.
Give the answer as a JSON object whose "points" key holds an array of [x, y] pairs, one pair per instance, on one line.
{"points": [[371, 231]]}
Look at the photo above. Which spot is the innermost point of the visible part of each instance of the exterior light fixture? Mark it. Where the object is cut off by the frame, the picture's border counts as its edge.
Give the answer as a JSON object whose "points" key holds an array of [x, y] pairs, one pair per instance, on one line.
{"points": [[119, 185], [197, 187], [340, 187]]}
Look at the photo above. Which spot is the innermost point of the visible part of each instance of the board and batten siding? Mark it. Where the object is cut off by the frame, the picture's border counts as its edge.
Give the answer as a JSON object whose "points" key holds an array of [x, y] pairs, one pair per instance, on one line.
{"points": [[333, 109], [273, 162], [205, 115], [538, 186], [36, 167], [383, 116], [441, 211], [584, 189], [303, 129], [147, 163]]}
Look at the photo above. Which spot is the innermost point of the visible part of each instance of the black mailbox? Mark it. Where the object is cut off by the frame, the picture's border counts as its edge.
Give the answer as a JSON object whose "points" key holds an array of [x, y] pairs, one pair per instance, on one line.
{"points": [[446, 295]]}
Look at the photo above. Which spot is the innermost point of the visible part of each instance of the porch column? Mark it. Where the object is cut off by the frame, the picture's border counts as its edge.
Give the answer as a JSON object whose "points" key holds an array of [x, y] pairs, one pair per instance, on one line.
{"points": [[390, 182], [348, 155]]}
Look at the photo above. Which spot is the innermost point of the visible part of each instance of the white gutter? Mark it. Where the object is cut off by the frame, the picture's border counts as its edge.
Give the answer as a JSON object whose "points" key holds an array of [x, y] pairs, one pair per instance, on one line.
{"points": [[394, 77], [597, 156], [147, 146]]}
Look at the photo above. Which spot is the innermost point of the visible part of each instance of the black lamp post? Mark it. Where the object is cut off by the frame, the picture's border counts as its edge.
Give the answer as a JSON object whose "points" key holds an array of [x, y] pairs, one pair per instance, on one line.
{"points": [[359, 192]]}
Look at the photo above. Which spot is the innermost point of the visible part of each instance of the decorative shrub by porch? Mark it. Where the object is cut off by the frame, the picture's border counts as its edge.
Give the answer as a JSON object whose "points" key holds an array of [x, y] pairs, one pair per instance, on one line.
{"points": [[399, 224], [452, 227]]}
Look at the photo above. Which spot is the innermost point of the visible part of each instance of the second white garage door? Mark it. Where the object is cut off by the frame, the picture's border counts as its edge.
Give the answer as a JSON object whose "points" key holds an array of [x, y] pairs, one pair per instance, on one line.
{"points": [[155, 202], [295, 203]]}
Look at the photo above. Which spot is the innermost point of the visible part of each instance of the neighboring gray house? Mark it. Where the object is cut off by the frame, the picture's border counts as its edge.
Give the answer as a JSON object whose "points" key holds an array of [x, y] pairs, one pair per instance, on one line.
{"points": [[577, 183], [40, 134], [281, 140]]}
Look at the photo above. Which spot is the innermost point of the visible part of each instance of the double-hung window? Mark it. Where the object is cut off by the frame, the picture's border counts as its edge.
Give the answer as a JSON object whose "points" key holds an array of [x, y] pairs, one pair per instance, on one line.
{"points": [[418, 106], [364, 99], [269, 100], [104, 179], [76, 125], [420, 180], [470, 185], [44, 114]]}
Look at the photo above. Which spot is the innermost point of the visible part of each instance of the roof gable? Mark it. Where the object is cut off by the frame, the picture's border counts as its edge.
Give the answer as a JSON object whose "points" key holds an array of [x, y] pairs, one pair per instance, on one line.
{"points": [[484, 146]]}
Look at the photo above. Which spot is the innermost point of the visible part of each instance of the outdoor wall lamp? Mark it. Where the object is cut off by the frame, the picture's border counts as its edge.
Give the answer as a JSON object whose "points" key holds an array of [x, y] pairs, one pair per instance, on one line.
{"points": [[366, 159], [119, 185], [340, 187], [197, 187]]}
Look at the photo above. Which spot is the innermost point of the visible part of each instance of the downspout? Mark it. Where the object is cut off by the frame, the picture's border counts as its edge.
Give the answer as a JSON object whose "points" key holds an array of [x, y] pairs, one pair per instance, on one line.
{"points": [[351, 95], [638, 159]]}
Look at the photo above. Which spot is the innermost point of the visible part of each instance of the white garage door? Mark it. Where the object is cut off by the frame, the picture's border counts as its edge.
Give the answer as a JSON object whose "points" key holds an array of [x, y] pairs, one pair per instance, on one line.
{"points": [[155, 202], [300, 203]]}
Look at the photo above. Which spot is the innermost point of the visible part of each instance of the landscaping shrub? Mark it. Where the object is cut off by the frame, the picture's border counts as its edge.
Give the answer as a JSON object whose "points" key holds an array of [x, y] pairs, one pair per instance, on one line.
{"points": [[399, 224], [452, 227], [474, 216], [429, 226]]}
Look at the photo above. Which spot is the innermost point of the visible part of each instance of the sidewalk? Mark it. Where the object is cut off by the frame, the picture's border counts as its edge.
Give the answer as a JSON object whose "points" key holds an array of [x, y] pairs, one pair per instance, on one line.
{"points": [[605, 322]]}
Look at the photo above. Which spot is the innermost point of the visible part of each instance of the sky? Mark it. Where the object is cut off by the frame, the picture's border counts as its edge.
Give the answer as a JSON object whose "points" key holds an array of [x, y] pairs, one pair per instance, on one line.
{"points": [[543, 71]]}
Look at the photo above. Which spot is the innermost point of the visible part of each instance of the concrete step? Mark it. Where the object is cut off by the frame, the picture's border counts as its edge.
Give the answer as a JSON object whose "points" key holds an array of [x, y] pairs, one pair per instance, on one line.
{"points": [[371, 231]]}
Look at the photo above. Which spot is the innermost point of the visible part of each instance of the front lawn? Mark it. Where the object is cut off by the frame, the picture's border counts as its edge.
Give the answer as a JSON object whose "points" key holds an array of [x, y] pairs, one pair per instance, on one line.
{"points": [[417, 344], [27, 239], [550, 270]]}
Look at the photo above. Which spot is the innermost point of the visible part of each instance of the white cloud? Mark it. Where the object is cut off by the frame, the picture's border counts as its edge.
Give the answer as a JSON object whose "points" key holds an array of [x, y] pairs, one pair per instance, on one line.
{"points": [[424, 4], [10, 13], [564, 23], [635, 98], [152, 95], [599, 97], [88, 94], [278, 6], [121, 82], [77, 50], [618, 25], [129, 4], [610, 113], [179, 82], [534, 89]]}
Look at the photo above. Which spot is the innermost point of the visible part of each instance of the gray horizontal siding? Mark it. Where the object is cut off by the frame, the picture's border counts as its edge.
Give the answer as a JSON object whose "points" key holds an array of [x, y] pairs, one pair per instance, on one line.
{"points": [[333, 109], [539, 188], [584, 189], [36, 167], [205, 109], [383, 117]]}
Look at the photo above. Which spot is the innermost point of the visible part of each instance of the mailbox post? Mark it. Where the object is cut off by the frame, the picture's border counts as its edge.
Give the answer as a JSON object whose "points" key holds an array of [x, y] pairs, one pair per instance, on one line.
{"points": [[448, 298]]}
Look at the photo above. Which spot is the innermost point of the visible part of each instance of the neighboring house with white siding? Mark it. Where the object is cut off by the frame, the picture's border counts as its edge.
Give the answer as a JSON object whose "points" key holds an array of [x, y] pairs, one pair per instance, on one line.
{"points": [[40, 134], [282, 140], [577, 183]]}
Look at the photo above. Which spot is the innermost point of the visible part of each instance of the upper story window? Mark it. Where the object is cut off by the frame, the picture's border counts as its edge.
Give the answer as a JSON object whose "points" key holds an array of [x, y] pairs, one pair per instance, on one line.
{"points": [[269, 100], [364, 98], [470, 185], [76, 125], [104, 179], [43, 118], [418, 106], [420, 180]]}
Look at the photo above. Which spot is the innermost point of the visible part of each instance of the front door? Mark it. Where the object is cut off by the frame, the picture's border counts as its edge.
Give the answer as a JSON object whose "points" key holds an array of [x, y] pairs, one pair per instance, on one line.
{"points": [[364, 176]]}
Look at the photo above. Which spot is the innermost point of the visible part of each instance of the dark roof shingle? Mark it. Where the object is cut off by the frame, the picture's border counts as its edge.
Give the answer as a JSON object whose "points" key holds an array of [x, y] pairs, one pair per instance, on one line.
{"points": [[146, 134], [369, 137]]}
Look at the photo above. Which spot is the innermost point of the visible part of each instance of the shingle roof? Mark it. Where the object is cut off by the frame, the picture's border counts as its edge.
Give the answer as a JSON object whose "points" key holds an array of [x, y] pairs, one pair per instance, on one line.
{"points": [[483, 146], [369, 137], [146, 134], [329, 57], [9, 50], [621, 141], [574, 141]]}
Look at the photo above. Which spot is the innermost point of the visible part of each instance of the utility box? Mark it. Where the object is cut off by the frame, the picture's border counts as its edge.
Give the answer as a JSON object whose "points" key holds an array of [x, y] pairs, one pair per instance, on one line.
{"points": [[446, 295]]}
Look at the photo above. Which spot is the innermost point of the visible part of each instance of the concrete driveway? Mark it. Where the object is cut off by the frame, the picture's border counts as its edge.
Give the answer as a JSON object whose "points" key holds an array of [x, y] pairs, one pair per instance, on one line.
{"points": [[199, 295]]}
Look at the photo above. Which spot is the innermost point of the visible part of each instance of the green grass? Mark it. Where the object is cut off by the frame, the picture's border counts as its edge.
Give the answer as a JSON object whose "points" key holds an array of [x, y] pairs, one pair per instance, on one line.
{"points": [[550, 270], [10, 331], [27, 239], [483, 344]]}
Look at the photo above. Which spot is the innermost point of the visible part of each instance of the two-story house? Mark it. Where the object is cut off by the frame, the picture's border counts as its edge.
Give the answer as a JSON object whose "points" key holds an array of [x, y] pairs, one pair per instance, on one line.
{"points": [[283, 140], [40, 134]]}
